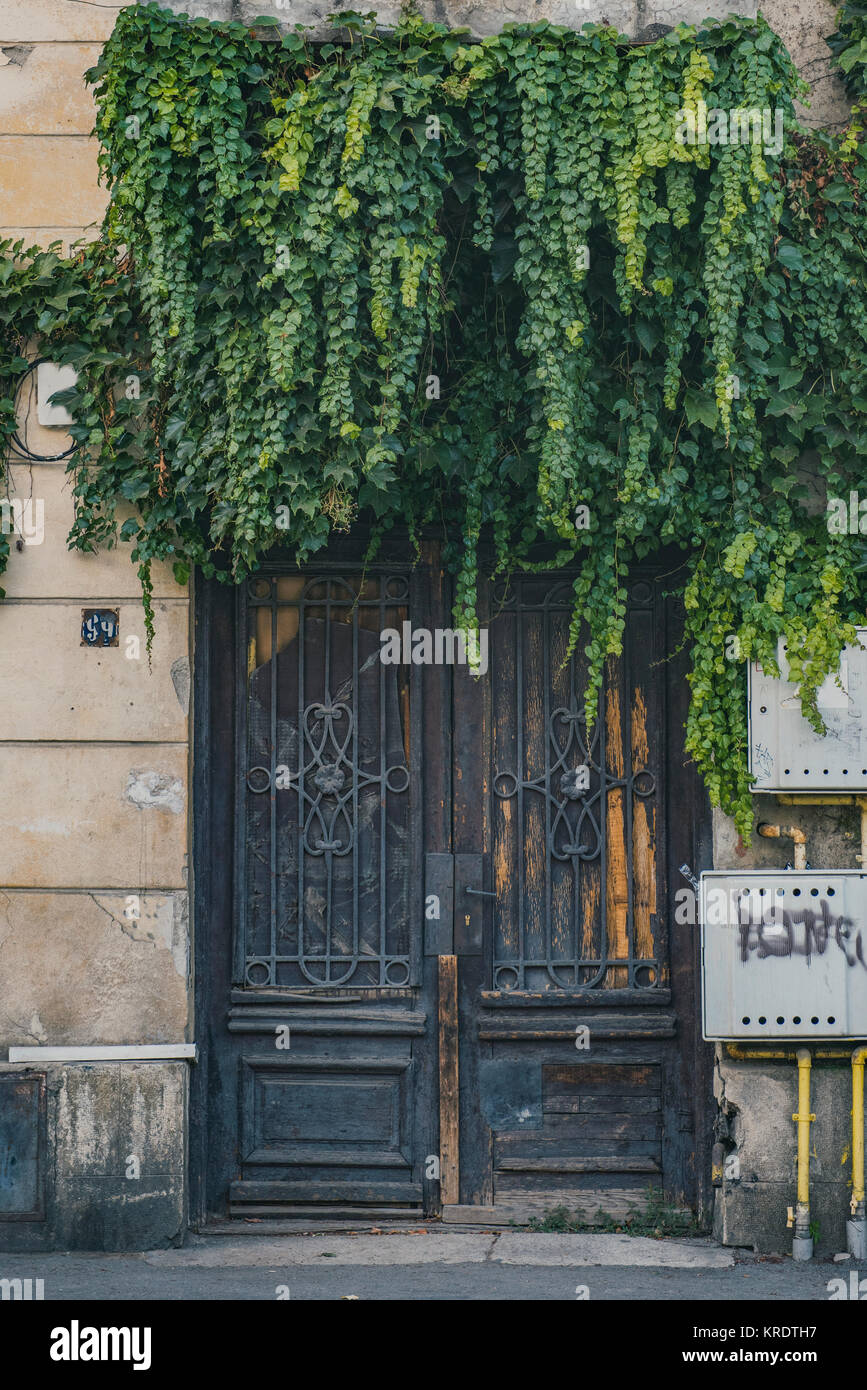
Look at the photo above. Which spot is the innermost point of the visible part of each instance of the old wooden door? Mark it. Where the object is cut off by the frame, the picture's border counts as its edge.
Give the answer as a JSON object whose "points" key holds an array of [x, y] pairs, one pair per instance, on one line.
{"points": [[317, 1081], [416, 891], [579, 1077]]}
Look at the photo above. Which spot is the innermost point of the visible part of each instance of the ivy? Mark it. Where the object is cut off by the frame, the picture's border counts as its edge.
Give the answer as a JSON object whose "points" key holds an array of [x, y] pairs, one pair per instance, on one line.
{"points": [[848, 44], [415, 279]]}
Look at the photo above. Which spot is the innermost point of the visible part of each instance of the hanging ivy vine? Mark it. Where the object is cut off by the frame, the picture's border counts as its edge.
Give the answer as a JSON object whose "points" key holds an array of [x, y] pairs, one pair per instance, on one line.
{"points": [[413, 278]]}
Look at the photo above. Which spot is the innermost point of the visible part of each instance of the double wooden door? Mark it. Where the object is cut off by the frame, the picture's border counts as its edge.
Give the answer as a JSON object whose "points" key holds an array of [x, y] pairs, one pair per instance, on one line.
{"points": [[436, 959]]}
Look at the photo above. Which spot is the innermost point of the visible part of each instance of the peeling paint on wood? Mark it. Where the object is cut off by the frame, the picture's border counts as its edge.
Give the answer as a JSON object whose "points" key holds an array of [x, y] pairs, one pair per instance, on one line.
{"points": [[449, 1080], [616, 880], [643, 838]]}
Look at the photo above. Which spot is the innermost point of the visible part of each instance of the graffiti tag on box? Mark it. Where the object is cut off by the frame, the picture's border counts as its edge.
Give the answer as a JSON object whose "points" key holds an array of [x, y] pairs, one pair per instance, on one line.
{"points": [[774, 930]]}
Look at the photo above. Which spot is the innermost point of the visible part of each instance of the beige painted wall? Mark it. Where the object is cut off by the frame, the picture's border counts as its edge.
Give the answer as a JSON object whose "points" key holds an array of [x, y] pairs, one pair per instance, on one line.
{"points": [[94, 939], [48, 177]]}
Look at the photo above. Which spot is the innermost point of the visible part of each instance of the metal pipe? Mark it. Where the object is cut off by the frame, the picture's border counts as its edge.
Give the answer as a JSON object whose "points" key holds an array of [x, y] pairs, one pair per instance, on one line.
{"points": [[783, 1054], [790, 832], [833, 799], [802, 1241], [856, 1226]]}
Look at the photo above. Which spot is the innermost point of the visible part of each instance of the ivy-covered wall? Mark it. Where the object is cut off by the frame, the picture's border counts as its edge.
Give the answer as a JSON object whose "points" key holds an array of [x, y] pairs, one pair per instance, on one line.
{"points": [[649, 435], [519, 290], [801, 24]]}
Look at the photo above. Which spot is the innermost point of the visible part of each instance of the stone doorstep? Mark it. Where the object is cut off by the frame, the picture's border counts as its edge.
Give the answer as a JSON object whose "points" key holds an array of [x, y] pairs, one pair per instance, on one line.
{"points": [[443, 1246]]}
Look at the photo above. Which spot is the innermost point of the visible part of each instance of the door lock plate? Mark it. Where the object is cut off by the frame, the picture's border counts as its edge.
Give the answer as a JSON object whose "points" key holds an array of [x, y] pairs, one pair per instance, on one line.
{"points": [[469, 905]]}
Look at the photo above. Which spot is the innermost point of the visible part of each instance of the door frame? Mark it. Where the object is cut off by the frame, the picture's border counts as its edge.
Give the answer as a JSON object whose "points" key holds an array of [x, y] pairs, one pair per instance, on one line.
{"points": [[452, 813]]}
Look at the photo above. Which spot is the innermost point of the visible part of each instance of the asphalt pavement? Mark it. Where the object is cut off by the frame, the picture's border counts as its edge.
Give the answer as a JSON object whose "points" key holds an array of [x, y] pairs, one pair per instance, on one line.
{"points": [[430, 1263]]}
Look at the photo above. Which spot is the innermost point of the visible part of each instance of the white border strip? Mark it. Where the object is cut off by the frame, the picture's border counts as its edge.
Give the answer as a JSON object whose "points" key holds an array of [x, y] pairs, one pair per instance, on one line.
{"points": [[156, 1052]]}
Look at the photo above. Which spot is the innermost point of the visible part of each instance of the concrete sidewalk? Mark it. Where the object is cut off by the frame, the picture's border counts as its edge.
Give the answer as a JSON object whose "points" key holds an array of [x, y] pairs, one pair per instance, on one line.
{"points": [[429, 1264], [397, 1247]]}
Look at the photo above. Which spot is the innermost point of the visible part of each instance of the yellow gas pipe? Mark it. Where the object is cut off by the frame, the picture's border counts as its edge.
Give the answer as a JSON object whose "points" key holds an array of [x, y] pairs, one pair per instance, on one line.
{"points": [[784, 1054], [856, 1227], [831, 799], [788, 832], [802, 1243]]}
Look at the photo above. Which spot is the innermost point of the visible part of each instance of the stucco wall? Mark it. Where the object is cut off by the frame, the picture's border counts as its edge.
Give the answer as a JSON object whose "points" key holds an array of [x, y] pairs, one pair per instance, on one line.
{"points": [[81, 728], [113, 1174], [757, 1101], [94, 936]]}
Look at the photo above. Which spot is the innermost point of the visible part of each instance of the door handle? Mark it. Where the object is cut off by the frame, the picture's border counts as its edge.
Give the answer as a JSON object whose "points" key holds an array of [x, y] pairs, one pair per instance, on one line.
{"points": [[479, 893]]}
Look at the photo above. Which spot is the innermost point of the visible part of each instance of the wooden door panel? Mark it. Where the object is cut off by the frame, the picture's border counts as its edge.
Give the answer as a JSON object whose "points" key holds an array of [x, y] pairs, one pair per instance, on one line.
{"points": [[573, 810], [320, 1129], [576, 853], [318, 1064]]}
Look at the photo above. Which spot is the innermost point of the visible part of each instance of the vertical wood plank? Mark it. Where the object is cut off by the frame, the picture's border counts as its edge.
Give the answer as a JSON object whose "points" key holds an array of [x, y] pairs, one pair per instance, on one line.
{"points": [[449, 1081], [643, 836], [432, 729], [471, 751], [505, 829], [565, 891], [689, 1106], [430, 607], [533, 831], [590, 896], [214, 1135], [616, 882]]}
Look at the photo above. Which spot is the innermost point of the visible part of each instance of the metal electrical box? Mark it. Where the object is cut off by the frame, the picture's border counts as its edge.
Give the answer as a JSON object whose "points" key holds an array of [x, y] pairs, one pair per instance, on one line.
{"points": [[51, 377], [786, 755], [784, 954]]}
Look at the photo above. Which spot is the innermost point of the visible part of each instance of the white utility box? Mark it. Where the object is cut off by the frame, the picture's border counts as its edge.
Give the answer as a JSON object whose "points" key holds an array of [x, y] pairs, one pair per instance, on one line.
{"points": [[784, 954], [785, 753], [50, 378]]}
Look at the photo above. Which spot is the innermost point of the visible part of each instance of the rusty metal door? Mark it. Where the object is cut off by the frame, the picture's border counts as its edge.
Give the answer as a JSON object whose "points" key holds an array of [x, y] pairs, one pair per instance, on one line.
{"points": [[572, 1067]]}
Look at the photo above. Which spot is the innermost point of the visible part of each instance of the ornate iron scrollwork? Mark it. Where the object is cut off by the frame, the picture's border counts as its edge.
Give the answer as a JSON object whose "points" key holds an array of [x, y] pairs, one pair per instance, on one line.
{"points": [[327, 830], [564, 804]]}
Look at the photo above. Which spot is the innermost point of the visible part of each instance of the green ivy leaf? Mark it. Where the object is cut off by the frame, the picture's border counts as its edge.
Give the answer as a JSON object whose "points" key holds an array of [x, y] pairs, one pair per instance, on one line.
{"points": [[701, 407]]}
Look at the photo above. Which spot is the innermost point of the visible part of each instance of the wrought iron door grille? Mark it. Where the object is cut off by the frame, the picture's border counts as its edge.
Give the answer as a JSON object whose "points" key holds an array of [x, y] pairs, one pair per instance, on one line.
{"points": [[573, 814], [325, 834]]}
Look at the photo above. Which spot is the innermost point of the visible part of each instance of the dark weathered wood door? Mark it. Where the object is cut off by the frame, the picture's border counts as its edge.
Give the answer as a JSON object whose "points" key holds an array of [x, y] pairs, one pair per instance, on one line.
{"points": [[417, 891], [316, 1006], [580, 1078]]}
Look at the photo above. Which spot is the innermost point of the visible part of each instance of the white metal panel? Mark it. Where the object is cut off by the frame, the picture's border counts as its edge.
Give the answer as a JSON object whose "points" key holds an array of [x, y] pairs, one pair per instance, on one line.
{"points": [[786, 755], [51, 377], [784, 954]]}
